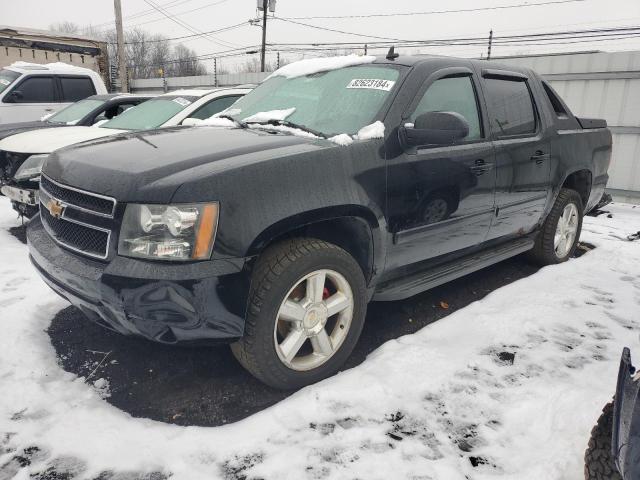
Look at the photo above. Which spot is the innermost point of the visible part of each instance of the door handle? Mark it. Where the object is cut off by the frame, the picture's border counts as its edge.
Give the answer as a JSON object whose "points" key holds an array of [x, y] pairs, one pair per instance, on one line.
{"points": [[480, 167], [539, 156]]}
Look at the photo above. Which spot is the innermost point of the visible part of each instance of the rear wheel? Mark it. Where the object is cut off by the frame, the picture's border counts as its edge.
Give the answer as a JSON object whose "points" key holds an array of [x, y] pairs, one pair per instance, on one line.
{"points": [[598, 460], [559, 235], [306, 311]]}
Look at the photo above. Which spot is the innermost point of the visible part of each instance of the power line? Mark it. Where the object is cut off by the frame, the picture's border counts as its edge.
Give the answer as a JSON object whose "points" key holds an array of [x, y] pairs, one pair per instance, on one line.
{"points": [[337, 31], [142, 13], [188, 27], [219, 30], [435, 12]]}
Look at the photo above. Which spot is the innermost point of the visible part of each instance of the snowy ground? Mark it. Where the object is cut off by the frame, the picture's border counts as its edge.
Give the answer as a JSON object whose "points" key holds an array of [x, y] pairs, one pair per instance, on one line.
{"points": [[507, 388]]}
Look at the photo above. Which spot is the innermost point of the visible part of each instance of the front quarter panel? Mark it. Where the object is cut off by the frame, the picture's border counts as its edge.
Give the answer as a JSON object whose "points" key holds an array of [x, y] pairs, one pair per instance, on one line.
{"points": [[260, 190]]}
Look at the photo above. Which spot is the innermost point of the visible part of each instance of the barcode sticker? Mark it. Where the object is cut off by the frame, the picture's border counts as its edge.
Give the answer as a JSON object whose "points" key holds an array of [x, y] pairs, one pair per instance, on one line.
{"points": [[4, 81], [372, 83]]}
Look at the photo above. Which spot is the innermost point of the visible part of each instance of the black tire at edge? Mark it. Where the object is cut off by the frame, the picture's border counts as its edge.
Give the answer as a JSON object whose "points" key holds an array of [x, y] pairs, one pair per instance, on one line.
{"points": [[598, 461]]}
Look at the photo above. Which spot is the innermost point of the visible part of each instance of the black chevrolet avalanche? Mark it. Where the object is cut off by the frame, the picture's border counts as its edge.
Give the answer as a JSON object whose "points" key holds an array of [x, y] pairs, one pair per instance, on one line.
{"points": [[334, 183]]}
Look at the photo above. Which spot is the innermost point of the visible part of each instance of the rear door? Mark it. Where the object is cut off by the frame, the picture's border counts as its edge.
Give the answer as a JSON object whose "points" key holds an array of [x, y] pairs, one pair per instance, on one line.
{"points": [[30, 98], [522, 153], [440, 199]]}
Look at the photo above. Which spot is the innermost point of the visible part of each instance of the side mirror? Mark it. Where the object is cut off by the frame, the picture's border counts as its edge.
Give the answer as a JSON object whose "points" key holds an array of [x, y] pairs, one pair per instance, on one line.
{"points": [[14, 96], [435, 128]]}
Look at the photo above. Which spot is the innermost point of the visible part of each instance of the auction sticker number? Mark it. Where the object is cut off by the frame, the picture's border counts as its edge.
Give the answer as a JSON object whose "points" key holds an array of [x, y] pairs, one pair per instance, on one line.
{"points": [[372, 83]]}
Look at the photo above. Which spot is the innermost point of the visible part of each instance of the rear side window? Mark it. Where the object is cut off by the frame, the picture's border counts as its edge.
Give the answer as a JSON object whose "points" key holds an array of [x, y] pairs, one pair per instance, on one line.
{"points": [[452, 94], [34, 90], [554, 99], [511, 110], [76, 88], [6, 78], [214, 106]]}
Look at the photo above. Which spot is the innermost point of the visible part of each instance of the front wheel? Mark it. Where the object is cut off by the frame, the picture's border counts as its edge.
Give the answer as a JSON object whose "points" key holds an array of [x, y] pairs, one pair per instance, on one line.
{"points": [[598, 459], [307, 304], [557, 240]]}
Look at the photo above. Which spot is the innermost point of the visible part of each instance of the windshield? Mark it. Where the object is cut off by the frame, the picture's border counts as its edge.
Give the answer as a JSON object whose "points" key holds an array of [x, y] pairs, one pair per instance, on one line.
{"points": [[151, 114], [6, 78], [75, 112], [333, 102]]}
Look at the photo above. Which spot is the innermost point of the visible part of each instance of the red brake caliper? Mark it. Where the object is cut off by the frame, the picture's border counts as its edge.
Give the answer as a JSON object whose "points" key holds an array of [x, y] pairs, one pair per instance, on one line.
{"points": [[325, 293]]}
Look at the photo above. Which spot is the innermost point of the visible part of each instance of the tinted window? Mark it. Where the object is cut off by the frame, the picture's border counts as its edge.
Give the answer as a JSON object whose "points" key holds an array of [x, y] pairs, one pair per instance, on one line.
{"points": [[74, 89], [510, 107], [6, 78], [454, 94], [555, 100], [35, 90], [213, 107]]}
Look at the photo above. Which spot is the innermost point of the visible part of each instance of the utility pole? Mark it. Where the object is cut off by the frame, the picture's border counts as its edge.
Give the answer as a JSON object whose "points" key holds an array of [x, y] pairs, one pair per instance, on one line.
{"points": [[122, 61], [265, 5], [490, 41]]}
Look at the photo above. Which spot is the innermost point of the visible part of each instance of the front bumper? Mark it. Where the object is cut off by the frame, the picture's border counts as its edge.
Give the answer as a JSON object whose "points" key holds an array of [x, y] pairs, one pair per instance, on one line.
{"points": [[626, 420], [201, 302], [25, 196]]}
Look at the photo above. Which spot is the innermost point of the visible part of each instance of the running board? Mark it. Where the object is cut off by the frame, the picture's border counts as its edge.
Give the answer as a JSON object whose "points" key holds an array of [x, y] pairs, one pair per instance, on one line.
{"points": [[425, 280]]}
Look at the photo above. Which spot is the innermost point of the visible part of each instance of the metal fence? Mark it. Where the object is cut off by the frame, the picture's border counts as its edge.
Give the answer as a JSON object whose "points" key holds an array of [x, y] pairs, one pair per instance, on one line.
{"points": [[594, 84]]}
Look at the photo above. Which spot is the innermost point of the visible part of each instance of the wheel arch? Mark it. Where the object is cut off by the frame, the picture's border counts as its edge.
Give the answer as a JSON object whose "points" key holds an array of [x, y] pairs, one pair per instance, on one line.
{"points": [[581, 181], [354, 228]]}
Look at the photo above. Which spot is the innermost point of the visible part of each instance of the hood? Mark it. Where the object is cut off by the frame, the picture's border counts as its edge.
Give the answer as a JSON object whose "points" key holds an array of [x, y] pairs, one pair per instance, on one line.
{"points": [[149, 166], [47, 140], [9, 129]]}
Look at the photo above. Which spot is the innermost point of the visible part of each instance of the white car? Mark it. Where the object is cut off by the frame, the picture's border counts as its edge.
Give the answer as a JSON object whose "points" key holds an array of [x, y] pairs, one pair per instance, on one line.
{"points": [[22, 155], [29, 91]]}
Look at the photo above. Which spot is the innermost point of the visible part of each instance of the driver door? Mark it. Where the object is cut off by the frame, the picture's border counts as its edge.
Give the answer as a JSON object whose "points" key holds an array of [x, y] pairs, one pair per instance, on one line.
{"points": [[441, 198]]}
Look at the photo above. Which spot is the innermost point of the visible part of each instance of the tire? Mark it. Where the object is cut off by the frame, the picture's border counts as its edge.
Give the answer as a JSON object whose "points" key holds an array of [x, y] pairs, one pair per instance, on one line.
{"points": [[598, 461], [276, 277], [544, 251]]}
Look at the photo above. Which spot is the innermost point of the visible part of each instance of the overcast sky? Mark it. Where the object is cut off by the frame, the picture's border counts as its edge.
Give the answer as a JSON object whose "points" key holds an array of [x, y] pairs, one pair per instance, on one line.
{"points": [[207, 15]]}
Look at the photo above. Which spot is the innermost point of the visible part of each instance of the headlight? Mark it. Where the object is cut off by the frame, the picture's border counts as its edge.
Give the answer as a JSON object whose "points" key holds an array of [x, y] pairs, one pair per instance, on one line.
{"points": [[31, 167], [169, 232]]}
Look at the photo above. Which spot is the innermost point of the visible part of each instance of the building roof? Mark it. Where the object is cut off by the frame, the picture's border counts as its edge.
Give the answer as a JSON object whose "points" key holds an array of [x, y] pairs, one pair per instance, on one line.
{"points": [[9, 31]]}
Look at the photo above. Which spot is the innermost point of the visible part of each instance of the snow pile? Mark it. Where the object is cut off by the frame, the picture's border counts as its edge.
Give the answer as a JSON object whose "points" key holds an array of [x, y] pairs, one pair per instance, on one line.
{"points": [[53, 66], [368, 132], [343, 139], [102, 387], [310, 66], [375, 130], [217, 122], [262, 117], [508, 387]]}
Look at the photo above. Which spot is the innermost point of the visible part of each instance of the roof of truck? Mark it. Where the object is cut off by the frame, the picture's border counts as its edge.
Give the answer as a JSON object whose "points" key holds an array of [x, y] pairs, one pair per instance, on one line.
{"points": [[414, 60]]}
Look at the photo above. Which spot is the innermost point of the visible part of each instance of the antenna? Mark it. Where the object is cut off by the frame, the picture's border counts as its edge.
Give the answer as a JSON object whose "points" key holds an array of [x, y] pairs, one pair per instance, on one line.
{"points": [[392, 55]]}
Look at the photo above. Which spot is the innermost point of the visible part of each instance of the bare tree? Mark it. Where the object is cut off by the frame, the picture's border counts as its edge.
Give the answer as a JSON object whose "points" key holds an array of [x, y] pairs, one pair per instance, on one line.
{"points": [[65, 27], [185, 62]]}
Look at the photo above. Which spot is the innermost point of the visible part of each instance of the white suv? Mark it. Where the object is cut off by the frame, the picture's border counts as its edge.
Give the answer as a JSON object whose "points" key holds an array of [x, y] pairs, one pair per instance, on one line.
{"points": [[29, 91]]}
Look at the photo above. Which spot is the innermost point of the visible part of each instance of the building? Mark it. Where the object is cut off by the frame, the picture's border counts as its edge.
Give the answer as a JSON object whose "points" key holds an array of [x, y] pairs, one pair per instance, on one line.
{"points": [[40, 46]]}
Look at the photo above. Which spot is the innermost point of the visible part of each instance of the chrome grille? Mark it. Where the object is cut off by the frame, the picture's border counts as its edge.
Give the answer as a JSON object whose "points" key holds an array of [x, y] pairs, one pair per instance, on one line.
{"points": [[80, 228], [79, 199]]}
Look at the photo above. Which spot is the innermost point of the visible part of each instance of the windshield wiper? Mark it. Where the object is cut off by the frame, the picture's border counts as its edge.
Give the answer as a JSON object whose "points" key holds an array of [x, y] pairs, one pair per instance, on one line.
{"points": [[240, 123], [287, 123]]}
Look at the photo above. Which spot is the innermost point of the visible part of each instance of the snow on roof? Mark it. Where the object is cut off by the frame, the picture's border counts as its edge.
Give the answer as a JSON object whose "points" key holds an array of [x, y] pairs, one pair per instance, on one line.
{"points": [[189, 92], [315, 65], [7, 30], [56, 66]]}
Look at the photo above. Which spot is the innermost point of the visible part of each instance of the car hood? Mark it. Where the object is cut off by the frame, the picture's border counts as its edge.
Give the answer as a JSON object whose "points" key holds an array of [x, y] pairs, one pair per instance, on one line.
{"points": [[18, 127], [47, 140], [150, 166]]}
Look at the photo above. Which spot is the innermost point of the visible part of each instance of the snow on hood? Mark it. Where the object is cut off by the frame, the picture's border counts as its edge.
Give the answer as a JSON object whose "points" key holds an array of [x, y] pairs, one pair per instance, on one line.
{"points": [[314, 65], [270, 115], [49, 139]]}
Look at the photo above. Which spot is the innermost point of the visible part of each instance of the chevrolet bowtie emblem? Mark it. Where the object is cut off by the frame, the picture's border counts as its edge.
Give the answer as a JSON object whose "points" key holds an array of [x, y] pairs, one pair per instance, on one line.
{"points": [[55, 208]]}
